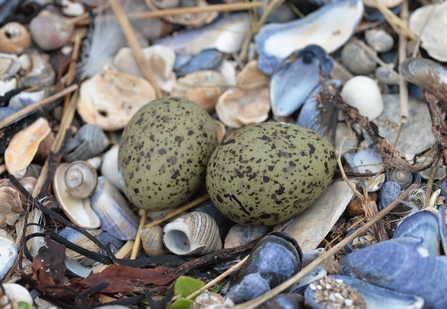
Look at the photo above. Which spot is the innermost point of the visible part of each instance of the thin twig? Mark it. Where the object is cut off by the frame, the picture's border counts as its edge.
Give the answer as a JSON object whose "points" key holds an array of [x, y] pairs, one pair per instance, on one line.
{"points": [[324, 256], [136, 246], [30, 108], [143, 64], [403, 92], [219, 278], [394, 21], [342, 171]]}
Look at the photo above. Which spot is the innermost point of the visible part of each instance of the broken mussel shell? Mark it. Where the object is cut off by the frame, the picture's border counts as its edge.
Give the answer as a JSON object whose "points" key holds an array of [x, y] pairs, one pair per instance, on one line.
{"points": [[80, 179], [88, 142], [195, 233], [275, 258]]}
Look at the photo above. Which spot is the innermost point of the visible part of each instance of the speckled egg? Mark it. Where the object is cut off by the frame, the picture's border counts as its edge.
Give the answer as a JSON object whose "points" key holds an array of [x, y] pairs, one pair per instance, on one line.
{"points": [[164, 151], [267, 173]]}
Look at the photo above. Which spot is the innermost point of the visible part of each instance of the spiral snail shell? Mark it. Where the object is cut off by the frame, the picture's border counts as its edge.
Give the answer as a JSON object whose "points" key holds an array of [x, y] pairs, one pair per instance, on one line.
{"points": [[80, 179]]}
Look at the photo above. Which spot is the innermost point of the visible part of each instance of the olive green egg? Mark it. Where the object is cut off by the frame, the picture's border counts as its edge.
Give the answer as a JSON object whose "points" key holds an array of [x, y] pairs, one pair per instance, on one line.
{"points": [[164, 151], [267, 173]]}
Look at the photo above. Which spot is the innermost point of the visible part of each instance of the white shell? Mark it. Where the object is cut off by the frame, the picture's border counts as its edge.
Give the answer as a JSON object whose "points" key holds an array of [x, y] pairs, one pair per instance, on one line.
{"points": [[9, 252], [26, 98], [237, 107], [363, 93], [387, 3], [79, 211], [161, 60], [195, 233], [72, 8], [110, 99], [240, 234], [380, 40], [16, 293], [152, 240], [109, 167], [433, 36]]}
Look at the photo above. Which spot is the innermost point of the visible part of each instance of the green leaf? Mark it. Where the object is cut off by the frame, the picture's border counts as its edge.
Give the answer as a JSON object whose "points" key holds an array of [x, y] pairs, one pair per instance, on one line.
{"points": [[182, 303], [25, 305], [187, 285]]}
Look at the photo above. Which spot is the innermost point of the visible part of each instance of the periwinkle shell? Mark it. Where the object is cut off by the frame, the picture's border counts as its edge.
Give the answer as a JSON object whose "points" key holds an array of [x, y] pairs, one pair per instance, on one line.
{"points": [[164, 151], [267, 173]]}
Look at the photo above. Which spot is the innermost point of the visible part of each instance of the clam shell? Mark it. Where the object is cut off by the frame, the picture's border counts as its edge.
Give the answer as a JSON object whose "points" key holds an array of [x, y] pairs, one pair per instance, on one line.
{"points": [[237, 107], [195, 233], [110, 99], [428, 22], [80, 179], [37, 69], [322, 27], [79, 211], [195, 20], [387, 3], [221, 130], [152, 240], [9, 252], [113, 211], [201, 87], [109, 166], [226, 34], [26, 98], [16, 293], [251, 77], [380, 40], [9, 65], [363, 93], [88, 142], [24, 145], [356, 59], [161, 60]]}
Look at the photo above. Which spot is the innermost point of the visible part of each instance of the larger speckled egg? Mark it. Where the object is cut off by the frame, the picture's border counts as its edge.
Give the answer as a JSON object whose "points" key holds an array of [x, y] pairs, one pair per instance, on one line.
{"points": [[267, 173], [164, 151]]}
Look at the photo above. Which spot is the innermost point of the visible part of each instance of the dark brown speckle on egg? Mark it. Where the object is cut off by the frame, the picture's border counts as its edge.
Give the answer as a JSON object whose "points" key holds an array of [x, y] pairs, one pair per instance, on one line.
{"points": [[267, 173]]}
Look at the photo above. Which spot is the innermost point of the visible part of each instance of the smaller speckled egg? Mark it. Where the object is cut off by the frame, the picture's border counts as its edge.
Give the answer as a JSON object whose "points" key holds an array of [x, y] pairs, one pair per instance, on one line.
{"points": [[164, 151], [267, 173]]}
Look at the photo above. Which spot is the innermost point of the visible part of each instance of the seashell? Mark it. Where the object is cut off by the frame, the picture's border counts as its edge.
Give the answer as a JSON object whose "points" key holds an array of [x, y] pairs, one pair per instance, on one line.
{"points": [[424, 225], [277, 41], [207, 59], [368, 160], [113, 211], [440, 173], [79, 211], [161, 59], [222, 221], [81, 240], [221, 131], [113, 243], [36, 69], [72, 8], [109, 99], [8, 111], [152, 240], [201, 87], [50, 30], [387, 3], [195, 233], [380, 40], [88, 142], [403, 178], [225, 34], [301, 285], [237, 107], [9, 66], [80, 179], [9, 252], [363, 93], [361, 295], [356, 59], [283, 301], [401, 265], [389, 192], [26, 98], [427, 74], [208, 300], [14, 38], [384, 76], [243, 234], [195, 20], [10, 198], [16, 294], [28, 182], [350, 142], [427, 22], [23, 146], [6, 86], [109, 167], [251, 77], [227, 69], [275, 258], [95, 162], [296, 77]]}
